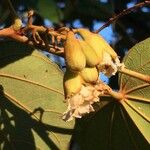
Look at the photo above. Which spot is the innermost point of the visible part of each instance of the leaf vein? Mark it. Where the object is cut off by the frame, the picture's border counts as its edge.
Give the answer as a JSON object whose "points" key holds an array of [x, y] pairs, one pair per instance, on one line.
{"points": [[31, 82], [15, 101], [137, 88], [122, 86], [137, 111], [135, 98]]}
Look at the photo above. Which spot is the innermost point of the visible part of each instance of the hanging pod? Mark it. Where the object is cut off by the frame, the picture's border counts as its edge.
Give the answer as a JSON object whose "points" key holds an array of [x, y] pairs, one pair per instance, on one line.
{"points": [[72, 83], [90, 54], [89, 75], [74, 56], [97, 43]]}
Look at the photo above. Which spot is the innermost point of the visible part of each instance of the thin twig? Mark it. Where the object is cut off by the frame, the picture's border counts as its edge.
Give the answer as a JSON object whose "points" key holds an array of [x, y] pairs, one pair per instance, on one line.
{"points": [[11, 33], [124, 12], [11, 8], [24, 35], [30, 14]]}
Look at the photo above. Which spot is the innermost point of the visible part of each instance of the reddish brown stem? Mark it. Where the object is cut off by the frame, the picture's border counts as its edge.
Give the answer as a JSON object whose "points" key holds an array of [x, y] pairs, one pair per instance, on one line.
{"points": [[124, 12]]}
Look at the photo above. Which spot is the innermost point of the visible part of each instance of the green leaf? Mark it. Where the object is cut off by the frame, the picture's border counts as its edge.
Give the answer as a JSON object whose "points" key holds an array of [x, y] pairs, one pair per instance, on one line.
{"points": [[121, 125], [31, 100], [49, 10], [108, 128], [137, 102]]}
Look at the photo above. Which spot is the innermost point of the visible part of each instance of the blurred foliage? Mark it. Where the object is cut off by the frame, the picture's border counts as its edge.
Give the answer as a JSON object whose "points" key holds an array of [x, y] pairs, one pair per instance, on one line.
{"points": [[127, 31]]}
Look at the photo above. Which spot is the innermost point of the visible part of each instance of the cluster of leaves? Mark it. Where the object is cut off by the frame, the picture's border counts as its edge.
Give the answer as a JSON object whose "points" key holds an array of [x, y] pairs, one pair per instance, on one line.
{"points": [[112, 126], [31, 92], [31, 101]]}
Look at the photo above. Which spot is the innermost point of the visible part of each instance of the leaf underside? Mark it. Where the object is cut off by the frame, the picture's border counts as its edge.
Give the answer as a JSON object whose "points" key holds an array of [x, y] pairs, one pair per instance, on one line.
{"points": [[137, 102], [31, 100], [121, 125]]}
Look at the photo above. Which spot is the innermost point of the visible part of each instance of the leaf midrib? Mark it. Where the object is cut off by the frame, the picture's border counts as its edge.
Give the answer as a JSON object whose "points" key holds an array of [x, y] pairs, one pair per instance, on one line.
{"points": [[30, 81]]}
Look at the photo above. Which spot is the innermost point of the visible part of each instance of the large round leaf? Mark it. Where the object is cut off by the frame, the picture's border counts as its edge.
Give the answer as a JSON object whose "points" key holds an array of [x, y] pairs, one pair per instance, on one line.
{"points": [[121, 125], [137, 92], [31, 100], [108, 128]]}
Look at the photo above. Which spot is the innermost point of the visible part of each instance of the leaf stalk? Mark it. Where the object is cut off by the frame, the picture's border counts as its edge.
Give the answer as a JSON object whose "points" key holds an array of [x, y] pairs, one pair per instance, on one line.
{"points": [[137, 75]]}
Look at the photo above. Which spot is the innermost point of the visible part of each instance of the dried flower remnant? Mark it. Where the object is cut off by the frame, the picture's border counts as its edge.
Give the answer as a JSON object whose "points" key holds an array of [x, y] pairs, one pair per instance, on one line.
{"points": [[109, 66], [81, 103]]}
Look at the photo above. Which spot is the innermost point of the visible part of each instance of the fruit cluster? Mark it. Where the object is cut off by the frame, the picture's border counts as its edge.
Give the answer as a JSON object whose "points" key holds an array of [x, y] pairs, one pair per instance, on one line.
{"points": [[85, 57]]}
